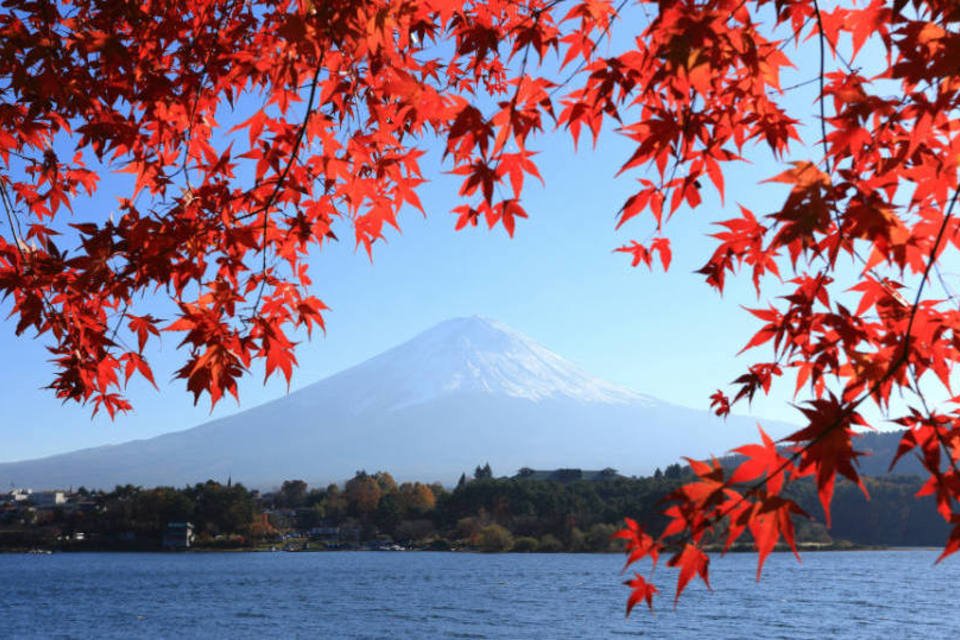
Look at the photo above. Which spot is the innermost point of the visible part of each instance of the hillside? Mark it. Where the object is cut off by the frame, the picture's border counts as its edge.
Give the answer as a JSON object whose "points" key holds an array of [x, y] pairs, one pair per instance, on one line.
{"points": [[467, 391]]}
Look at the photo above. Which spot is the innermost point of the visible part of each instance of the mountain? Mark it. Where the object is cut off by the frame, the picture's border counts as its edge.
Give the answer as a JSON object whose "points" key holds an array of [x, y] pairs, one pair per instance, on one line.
{"points": [[877, 449], [466, 392]]}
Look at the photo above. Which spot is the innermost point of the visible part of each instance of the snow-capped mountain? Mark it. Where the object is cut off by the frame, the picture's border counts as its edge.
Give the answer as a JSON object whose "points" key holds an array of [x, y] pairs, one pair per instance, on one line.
{"points": [[465, 392], [476, 354]]}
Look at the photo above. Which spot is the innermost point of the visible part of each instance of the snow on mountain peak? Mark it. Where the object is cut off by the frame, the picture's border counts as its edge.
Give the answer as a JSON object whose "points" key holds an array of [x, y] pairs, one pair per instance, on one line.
{"points": [[477, 354]]}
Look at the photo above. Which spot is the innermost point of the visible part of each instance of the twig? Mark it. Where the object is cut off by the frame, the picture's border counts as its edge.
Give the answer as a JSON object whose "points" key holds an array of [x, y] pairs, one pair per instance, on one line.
{"points": [[265, 209]]}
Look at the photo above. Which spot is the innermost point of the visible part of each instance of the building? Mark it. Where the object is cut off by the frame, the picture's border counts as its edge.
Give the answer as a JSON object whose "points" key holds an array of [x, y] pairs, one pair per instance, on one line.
{"points": [[178, 535], [326, 534], [566, 476], [47, 498]]}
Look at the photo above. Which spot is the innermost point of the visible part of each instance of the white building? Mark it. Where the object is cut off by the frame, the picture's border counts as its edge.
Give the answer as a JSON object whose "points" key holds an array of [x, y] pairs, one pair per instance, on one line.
{"points": [[47, 498]]}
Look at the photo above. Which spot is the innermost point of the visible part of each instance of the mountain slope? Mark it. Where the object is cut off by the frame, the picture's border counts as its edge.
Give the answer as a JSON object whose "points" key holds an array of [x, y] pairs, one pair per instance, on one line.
{"points": [[466, 355], [467, 391]]}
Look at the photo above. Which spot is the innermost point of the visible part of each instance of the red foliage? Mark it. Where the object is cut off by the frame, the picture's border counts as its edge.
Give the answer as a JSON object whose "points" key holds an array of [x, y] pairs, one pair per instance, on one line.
{"points": [[351, 90]]}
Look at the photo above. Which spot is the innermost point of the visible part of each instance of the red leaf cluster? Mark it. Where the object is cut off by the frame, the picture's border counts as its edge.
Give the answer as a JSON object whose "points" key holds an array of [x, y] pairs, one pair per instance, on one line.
{"points": [[247, 134]]}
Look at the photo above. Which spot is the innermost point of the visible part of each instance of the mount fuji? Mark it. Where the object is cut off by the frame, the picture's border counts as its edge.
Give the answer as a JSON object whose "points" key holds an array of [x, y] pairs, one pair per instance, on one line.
{"points": [[465, 392]]}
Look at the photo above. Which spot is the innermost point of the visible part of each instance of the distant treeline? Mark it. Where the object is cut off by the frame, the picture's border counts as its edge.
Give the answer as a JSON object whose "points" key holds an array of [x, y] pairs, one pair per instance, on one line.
{"points": [[562, 510]]}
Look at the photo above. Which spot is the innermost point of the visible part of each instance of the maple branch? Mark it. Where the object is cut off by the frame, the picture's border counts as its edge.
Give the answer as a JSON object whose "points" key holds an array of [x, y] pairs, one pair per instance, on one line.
{"points": [[521, 76], [265, 209], [32, 161], [204, 20], [850, 408], [123, 314], [916, 306], [930, 263], [823, 116], [593, 49], [8, 209], [14, 222], [798, 85], [943, 283]]}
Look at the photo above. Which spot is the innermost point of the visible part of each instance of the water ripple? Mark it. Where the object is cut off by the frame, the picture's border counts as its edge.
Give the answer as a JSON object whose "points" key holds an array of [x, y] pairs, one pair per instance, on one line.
{"points": [[374, 596]]}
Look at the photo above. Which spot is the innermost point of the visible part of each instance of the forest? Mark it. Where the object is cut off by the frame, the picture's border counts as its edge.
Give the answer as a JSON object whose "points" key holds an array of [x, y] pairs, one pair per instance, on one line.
{"points": [[532, 511]]}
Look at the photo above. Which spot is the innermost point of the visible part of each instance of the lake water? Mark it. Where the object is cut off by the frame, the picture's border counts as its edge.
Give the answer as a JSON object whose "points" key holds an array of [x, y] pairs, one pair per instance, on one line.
{"points": [[873, 594]]}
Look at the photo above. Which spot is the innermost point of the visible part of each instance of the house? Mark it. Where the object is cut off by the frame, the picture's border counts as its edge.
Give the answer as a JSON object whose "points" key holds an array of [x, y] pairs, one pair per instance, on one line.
{"points": [[47, 498], [178, 535], [326, 534], [565, 476]]}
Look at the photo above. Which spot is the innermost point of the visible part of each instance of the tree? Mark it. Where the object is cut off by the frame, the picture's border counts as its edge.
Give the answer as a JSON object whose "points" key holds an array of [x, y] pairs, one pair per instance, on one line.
{"points": [[389, 513], [386, 482], [673, 472], [335, 503], [220, 509], [483, 473], [293, 493], [600, 537], [223, 205], [363, 494], [493, 537], [154, 508], [417, 498]]}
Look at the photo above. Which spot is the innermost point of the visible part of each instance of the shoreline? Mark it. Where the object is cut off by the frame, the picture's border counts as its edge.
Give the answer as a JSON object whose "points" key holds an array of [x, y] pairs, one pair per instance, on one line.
{"points": [[801, 548]]}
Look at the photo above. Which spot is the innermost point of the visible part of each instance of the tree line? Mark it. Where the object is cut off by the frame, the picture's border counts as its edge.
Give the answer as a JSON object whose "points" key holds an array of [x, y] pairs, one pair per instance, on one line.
{"points": [[563, 510]]}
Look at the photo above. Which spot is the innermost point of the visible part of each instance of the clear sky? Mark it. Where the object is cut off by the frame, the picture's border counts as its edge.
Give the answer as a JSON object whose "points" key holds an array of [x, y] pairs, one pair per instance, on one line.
{"points": [[666, 335]]}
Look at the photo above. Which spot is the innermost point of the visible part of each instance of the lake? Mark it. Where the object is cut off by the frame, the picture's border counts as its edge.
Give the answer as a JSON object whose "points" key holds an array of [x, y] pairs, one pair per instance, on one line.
{"points": [[861, 594]]}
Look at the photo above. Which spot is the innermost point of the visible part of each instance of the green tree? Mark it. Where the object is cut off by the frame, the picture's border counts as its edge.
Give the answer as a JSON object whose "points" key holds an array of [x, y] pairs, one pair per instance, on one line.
{"points": [[673, 472], [292, 494], [483, 473], [493, 538], [220, 509], [389, 513], [525, 544], [599, 538], [549, 543], [335, 503]]}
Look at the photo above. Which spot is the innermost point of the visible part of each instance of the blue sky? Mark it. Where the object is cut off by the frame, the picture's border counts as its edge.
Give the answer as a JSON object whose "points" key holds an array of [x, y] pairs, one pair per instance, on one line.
{"points": [[557, 280]]}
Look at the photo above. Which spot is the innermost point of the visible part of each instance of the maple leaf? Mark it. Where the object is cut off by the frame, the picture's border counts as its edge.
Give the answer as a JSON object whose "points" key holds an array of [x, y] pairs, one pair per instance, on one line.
{"points": [[762, 461], [944, 487], [952, 546], [143, 326], [638, 543], [349, 97], [772, 519], [640, 590], [827, 446], [662, 246], [278, 354], [639, 252], [136, 363], [720, 403], [692, 562]]}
